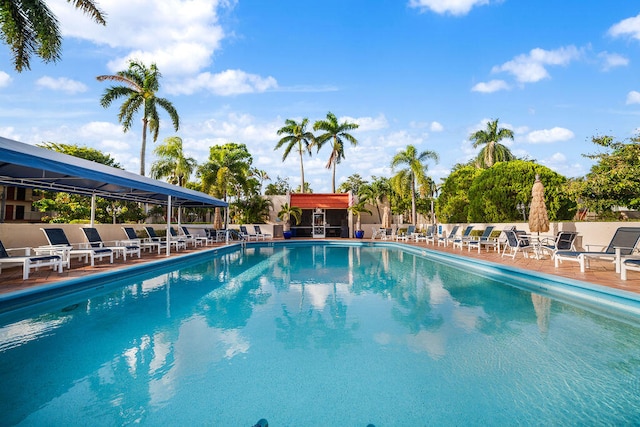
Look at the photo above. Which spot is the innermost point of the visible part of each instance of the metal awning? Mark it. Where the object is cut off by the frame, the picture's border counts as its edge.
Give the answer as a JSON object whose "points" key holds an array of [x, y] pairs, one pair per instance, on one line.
{"points": [[24, 165]]}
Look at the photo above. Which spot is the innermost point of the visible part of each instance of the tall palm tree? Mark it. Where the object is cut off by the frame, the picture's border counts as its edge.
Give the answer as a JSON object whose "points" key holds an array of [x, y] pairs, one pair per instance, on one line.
{"points": [[172, 163], [415, 170], [30, 28], [261, 175], [297, 137], [337, 133], [492, 151], [139, 86]]}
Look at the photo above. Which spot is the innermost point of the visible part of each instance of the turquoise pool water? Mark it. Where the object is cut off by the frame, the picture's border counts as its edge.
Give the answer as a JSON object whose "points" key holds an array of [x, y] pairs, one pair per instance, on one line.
{"points": [[319, 335]]}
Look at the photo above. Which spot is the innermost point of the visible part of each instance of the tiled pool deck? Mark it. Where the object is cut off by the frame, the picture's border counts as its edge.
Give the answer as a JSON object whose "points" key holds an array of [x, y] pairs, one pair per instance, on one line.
{"points": [[601, 272]]}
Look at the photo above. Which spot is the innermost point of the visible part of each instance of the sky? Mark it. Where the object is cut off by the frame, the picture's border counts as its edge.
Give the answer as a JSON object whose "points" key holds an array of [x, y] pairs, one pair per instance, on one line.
{"points": [[426, 73]]}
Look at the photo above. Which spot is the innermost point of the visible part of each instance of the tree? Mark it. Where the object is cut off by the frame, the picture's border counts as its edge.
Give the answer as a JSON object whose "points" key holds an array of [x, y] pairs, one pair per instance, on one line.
{"points": [[307, 189], [287, 212], [280, 187], [30, 28], [139, 87], [614, 180], [353, 184], [415, 171], [261, 175], [297, 137], [337, 134], [492, 151], [496, 191], [172, 163], [227, 171], [252, 210], [357, 210], [452, 205]]}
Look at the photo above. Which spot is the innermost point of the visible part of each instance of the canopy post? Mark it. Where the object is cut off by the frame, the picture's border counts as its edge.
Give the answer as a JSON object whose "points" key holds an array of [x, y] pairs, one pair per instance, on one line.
{"points": [[168, 235], [93, 209]]}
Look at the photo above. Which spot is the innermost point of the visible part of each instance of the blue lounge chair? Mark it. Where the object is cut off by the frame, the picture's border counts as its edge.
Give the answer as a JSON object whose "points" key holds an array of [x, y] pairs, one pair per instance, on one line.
{"points": [[195, 240], [260, 234], [244, 233], [445, 239], [58, 241], [95, 241], [133, 239], [28, 262], [464, 238], [484, 240], [623, 243], [517, 241], [564, 241], [162, 241]]}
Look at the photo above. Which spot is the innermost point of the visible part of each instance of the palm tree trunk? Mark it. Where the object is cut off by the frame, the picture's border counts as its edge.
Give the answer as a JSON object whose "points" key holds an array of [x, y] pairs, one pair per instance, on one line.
{"points": [[301, 174], [143, 148], [333, 178], [413, 202]]}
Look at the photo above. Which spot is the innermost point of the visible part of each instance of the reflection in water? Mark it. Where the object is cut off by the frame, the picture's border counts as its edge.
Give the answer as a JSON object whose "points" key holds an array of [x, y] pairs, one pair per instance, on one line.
{"points": [[369, 332]]}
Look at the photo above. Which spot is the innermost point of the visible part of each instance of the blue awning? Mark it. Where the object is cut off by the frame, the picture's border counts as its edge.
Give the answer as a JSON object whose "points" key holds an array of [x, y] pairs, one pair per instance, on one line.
{"points": [[24, 165]]}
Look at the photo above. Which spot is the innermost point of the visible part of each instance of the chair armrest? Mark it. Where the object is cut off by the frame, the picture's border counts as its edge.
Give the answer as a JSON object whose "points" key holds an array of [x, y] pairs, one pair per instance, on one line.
{"points": [[26, 251]]}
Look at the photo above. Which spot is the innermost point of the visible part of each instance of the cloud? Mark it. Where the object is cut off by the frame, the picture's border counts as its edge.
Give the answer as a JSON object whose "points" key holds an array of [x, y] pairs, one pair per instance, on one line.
{"points": [[633, 97], [367, 123], [453, 7], [627, 27], [490, 86], [180, 36], [549, 135], [436, 127], [62, 84], [5, 79], [226, 83], [531, 67], [612, 60]]}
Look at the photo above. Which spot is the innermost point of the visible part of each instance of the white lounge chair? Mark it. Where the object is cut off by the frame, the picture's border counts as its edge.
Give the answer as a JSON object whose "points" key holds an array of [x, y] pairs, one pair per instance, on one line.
{"points": [[28, 262], [58, 242], [461, 240], [95, 241], [259, 233], [623, 244], [484, 240], [516, 242], [445, 239]]}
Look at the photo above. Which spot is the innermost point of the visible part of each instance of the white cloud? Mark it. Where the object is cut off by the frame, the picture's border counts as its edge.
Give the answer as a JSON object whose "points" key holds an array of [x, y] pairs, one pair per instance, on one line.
{"points": [[490, 86], [62, 84], [453, 7], [5, 79], [367, 123], [633, 97], [531, 67], [226, 83], [612, 60], [549, 135], [180, 36], [627, 27], [436, 127]]}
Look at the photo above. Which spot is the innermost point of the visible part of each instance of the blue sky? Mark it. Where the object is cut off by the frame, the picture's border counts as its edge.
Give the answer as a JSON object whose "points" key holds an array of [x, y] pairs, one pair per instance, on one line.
{"points": [[421, 72]]}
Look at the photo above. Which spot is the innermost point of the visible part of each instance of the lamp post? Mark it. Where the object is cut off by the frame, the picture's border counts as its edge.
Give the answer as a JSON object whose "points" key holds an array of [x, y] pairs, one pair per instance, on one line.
{"points": [[522, 208]]}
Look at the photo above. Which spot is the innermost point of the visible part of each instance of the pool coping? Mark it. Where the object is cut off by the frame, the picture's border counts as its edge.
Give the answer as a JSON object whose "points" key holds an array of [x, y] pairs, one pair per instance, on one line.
{"points": [[597, 297]]}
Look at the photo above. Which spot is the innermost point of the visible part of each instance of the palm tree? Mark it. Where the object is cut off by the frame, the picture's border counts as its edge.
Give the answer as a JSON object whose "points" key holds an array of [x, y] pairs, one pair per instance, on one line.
{"points": [[357, 210], [226, 171], [337, 133], [140, 85], [492, 151], [30, 28], [172, 163], [287, 212], [298, 137], [414, 172], [261, 175]]}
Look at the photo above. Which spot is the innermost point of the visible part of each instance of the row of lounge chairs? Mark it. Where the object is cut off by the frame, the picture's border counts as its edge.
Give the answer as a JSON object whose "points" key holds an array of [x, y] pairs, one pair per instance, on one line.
{"points": [[58, 253], [621, 250]]}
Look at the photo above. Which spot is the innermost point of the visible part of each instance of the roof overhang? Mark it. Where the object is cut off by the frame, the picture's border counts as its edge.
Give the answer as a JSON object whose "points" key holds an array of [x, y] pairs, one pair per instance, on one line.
{"points": [[320, 200], [24, 165]]}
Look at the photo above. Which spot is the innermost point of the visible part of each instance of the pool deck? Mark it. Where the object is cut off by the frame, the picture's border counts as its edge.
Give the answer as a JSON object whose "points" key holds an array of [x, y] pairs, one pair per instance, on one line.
{"points": [[601, 272]]}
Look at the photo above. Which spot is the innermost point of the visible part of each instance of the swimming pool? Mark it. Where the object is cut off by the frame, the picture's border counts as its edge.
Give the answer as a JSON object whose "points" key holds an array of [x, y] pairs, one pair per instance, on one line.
{"points": [[313, 333]]}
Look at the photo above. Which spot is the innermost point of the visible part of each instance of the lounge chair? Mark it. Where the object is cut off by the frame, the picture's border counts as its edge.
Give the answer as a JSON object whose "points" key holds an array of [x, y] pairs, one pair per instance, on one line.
{"points": [[389, 233], [259, 233], [95, 241], [133, 239], [244, 233], [623, 243], [405, 235], [28, 262], [517, 241], [429, 235], [464, 238], [195, 240], [162, 241], [484, 240], [445, 239], [58, 242], [564, 241], [626, 265]]}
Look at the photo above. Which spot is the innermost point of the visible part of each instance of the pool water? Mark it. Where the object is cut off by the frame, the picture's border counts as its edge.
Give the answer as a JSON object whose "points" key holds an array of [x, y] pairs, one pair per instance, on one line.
{"points": [[316, 335]]}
